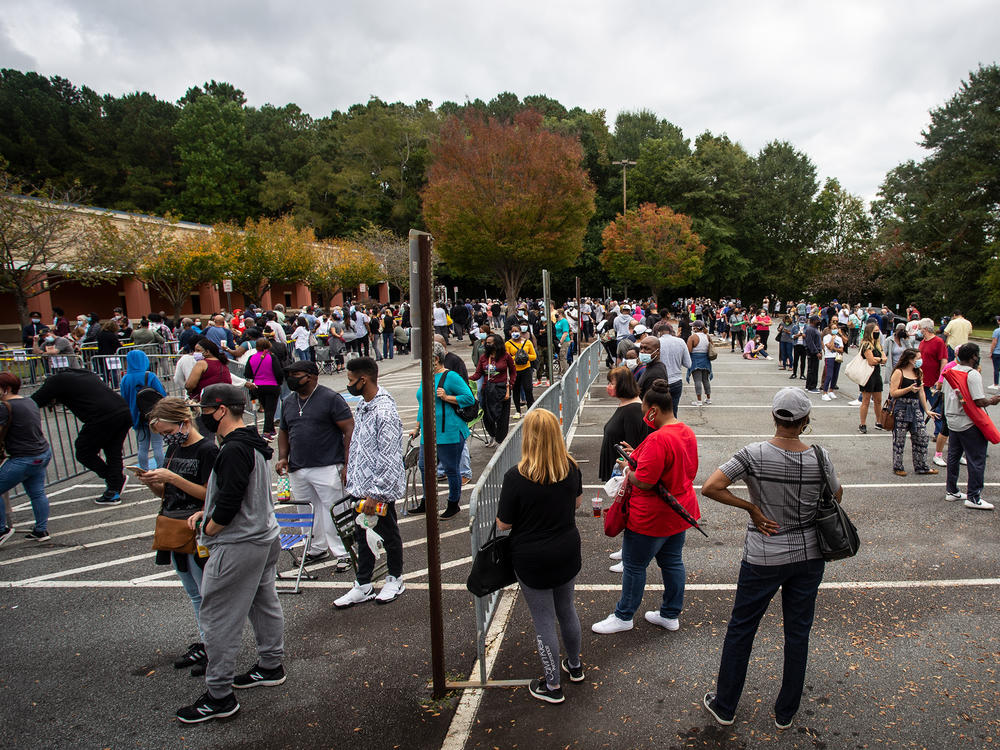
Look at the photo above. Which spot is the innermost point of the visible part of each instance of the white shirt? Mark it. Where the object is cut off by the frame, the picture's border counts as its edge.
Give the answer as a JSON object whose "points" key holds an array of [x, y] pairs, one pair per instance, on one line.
{"points": [[838, 341], [301, 338], [958, 420]]}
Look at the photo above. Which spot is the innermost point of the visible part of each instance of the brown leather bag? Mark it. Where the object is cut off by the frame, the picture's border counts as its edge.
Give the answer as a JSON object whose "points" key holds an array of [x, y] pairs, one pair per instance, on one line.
{"points": [[173, 535]]}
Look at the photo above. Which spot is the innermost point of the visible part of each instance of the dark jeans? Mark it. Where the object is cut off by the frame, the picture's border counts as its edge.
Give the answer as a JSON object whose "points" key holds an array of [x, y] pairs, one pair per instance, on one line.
{"points": [[523, 384], [764, 335], [757, 585], [637, 551], [830, 376], [449, 456], [107, 435], [972, 443], [785, 353], [387, 347], [996, 368], [675, 395], [30, 472], [267, 396], [387, 528], [812, 371], [738, 339], [799, 359]]}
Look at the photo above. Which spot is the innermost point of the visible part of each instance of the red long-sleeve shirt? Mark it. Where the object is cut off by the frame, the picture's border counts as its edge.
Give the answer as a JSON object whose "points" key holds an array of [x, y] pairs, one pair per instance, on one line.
{"points": [[504, 370]]}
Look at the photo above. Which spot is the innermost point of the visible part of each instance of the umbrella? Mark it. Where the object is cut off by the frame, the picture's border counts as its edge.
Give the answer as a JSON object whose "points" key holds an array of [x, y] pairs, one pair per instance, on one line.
{"points": [[664, 493]]}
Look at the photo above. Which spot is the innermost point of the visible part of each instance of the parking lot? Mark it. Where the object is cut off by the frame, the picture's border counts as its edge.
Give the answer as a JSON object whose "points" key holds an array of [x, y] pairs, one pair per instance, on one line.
{"points": [[905, 651]]}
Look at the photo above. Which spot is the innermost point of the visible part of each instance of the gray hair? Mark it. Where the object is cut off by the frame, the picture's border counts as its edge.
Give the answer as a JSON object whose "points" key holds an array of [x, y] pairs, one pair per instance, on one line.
{"points": [[439, 351]]}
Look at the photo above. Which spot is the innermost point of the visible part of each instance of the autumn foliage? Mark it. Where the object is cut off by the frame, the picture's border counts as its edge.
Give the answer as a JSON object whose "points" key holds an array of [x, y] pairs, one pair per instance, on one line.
{"points": [[505, 200], [652, 246]]}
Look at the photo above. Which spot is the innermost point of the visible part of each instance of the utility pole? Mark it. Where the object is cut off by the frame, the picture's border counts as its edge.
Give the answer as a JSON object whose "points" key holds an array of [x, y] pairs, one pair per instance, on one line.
{"points": [[625, 165]]}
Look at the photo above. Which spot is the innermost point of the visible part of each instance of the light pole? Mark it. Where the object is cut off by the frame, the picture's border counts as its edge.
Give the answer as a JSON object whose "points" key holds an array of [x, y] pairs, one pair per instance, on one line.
{"points": [[625, 163]]}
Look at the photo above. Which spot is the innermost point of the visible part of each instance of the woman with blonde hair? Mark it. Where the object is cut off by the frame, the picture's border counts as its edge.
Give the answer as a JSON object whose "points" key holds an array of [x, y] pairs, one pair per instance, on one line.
{"points": [[538, 502], [871, 350], [182, 483]]}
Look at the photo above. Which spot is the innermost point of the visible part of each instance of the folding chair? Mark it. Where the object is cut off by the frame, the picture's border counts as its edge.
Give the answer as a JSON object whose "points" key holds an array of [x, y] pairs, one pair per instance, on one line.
{"points": [[477, 430], [343, 515], [323, 360], [411, 462], [294, 537]]}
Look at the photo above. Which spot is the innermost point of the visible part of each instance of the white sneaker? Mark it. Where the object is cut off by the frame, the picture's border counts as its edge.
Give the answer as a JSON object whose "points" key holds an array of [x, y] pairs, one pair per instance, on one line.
{"points": [[855, 402], [616, 555], [670, 623], [963, 461], [618, 567], [939, 461], [611, 624], [826, 397], [953, 496], [707, 401], [994, 388], [357, 595], [391, 590], [978, 504], [696, 403], [833, 395]]}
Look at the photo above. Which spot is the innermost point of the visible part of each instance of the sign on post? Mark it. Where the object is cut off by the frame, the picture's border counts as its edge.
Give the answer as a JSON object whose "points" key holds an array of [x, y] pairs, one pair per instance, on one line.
{"points": [[227, 285]]}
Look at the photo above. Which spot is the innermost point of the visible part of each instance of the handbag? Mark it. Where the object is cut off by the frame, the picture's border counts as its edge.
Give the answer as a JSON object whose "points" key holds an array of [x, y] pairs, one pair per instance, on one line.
{"points": [[616, 517], [493, 567], [858, 370], [837, 536], [888, 416], [712, 353], [173, 535]]}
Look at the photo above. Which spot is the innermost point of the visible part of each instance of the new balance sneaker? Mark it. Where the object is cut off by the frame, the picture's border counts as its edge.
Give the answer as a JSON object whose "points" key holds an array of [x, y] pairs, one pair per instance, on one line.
{"points": [[195, 655], [575, 673], [954, 496], [978, 503], [543, 692], [668, 623], [709, 703], [611, 624], [260, 677], [357, 595], [37, 536], [6, 533], [391, 590], [207, 707], [618, 567]]}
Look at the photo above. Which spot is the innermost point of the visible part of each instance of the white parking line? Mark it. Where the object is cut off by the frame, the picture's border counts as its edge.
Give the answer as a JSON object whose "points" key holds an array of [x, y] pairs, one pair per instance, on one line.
{"points": [[84, 569], [89, 545]]}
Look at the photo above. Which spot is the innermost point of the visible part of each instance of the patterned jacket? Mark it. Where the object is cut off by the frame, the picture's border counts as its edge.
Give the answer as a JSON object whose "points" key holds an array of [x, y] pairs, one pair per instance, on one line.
{"points": [[375, 464]]}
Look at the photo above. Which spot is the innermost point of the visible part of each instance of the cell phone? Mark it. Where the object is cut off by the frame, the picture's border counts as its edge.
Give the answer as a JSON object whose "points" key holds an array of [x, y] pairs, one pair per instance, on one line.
{"points": [[136, 470]]}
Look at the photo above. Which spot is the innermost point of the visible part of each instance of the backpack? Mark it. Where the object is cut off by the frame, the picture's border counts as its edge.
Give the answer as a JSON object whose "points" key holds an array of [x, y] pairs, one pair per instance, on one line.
{"points": [[521, 358], [145, 399], [467, 413]]}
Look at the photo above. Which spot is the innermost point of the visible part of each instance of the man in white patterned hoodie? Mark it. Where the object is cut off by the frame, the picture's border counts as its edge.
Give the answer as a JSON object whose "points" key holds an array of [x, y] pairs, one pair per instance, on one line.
{"points": [[375, 474]]}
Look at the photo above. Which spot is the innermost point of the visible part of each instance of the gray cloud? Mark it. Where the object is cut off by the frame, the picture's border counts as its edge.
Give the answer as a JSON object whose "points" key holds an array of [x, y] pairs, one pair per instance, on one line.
{"points": [[849, 83]]}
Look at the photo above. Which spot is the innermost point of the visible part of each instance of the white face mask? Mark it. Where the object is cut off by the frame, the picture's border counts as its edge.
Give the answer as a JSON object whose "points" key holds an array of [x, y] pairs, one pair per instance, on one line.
{"points": [[631, 363]]}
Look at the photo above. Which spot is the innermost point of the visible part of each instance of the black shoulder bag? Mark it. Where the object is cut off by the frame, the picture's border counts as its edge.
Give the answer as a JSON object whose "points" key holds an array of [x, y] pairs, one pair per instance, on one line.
{"points": [[837, 536], [493, 567]]}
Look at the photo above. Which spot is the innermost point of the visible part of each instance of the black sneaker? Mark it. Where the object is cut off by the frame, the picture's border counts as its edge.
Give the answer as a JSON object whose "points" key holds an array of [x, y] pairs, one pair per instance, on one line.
{"points": [[110, 497], [540, 690], [38, 536], [195, 655], [575, 673], [6, 533], [782, 724], [863, 429], [709, 702], [259, 677], [207, 707], [880, 427], [316, 557]]}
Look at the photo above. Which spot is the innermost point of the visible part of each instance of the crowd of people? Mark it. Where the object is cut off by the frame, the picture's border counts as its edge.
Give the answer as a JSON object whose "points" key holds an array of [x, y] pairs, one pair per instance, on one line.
{"points": [[212, 467]]}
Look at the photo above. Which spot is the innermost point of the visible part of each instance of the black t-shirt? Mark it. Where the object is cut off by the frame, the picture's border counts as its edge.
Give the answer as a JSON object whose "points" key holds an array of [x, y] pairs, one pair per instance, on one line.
{"points": [[544, 541], [24, 438], [314, 439], [84, 394], [625, 425], [455, 363], [654, 371], [193, 463]]}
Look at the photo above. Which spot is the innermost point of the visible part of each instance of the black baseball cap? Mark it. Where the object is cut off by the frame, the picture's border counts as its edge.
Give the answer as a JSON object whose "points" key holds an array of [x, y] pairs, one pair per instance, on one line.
{"points": [[309, 368], [222, 394]]}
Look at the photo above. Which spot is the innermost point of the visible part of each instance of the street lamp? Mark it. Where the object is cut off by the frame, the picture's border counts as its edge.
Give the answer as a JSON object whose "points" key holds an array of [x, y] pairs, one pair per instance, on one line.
{"points": [[625, 164]]}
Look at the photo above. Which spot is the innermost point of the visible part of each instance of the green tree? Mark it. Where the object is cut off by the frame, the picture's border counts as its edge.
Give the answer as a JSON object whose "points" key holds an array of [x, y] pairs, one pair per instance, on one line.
{"points": [[652, 247], [507, 200], [179, 265], [845, 263], [262, 253], [339, 266]]}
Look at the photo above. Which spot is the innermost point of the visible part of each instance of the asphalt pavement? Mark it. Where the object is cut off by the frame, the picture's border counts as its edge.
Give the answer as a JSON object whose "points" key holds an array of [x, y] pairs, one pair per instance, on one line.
{"points": [[904, 652]]}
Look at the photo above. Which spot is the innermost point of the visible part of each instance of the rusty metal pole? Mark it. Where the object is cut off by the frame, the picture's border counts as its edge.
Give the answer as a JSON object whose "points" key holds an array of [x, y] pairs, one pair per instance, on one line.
{"points": [[579, 320], [429, 431]]}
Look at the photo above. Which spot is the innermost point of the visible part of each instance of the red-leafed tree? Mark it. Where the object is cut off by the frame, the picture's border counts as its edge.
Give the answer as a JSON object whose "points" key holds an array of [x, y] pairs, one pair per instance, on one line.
{"points": [[652, 246], [505, 200]]}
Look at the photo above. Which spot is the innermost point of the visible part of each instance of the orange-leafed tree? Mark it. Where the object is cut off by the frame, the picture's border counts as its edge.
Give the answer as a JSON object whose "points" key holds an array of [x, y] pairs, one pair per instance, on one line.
{"points": [[262, 253], [340, 267], [652, 246], [505, 200]]}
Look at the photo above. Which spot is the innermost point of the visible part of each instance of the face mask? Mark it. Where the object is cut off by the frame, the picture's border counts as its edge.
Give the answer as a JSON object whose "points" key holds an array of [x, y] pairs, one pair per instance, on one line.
{"points": [[875, 334], [36, 321], [834, 331], [515, 335], [649, 420], [645, 357], [611, 390], [919, 336], [296, 384], [481, 336], [198, 356], [210, 422], [524, 329], [918, 363], [50, 339], [631, 363], [355, 388], [175, 439]]}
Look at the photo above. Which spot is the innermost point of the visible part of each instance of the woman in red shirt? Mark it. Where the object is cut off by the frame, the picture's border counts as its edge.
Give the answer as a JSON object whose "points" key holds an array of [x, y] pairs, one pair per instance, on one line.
{"points": [[763, 326], [668, 455], [497, 367]]}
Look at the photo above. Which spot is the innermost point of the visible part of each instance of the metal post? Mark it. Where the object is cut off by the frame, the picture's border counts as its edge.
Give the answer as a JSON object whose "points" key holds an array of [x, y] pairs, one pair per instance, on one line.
{"points": [[579, 320], [415, 307], [429, 429], [547, 295]]}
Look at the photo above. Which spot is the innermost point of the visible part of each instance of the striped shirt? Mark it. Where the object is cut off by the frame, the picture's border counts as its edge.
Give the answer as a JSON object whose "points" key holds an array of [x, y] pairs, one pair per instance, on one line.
{"points": [[786, 486]]}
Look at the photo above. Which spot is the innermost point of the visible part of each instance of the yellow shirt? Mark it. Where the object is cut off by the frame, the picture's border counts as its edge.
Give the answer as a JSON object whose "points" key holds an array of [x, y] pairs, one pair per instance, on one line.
{"points": [[514, 346], [957, 331]]}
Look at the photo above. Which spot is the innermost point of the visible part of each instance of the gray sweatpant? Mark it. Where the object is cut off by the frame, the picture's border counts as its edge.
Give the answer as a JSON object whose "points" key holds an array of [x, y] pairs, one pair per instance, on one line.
{"points": [[238, 582], [546, 606]]}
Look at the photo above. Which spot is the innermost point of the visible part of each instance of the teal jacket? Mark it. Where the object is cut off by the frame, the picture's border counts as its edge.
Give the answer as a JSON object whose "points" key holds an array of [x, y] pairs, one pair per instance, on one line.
{"points": [[451, 428]]}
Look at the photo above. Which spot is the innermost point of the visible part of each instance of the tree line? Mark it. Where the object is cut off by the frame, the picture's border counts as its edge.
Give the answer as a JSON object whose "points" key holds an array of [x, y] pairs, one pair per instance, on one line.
{"points": [[751, 223]]}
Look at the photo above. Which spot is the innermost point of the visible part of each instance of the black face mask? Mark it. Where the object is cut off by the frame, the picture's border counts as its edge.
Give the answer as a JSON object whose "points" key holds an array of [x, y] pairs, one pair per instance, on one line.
{"points": [[297, 384], [210, 422], [355, 388]]}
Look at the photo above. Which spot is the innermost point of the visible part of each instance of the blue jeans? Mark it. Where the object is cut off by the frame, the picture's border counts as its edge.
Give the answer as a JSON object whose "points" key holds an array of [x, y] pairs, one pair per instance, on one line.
{"points": [[449, 456], [388, 349], [145, 439], [785, 353], [637, 550], [464, 463], [757, 585], [29, 471], [996, 368], [830, 376], [191, 580], [302, 355]]}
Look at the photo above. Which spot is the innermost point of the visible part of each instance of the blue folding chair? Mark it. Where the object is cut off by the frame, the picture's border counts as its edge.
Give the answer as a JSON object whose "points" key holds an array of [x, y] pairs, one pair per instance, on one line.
{"points": [[295, 529]]}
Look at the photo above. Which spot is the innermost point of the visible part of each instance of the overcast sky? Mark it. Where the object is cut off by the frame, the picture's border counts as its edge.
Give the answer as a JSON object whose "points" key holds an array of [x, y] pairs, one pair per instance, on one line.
{"points": [[849, 83]]}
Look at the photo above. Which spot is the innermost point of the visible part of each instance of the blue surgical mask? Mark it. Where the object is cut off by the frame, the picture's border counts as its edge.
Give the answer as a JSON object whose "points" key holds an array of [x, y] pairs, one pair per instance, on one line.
{"points": [[515, 334], [645, 357], [918, 363], [198, 356], [480, 336], [919, 335]]}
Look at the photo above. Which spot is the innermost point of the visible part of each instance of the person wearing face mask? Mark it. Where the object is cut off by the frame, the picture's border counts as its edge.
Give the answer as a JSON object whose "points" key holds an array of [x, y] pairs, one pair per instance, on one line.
{"points": [[626, 424], [59, 350], [34, 331], [798, 334], [523, 353], [701, 365], [934, 357], [649, 360], [181, 482], [314, 439], [28, 453], [833, 355], [908, 409], [675, 355], [630, 360], [209, 368], [669, 455], [497, 369], [871, 350], [138, 378]]}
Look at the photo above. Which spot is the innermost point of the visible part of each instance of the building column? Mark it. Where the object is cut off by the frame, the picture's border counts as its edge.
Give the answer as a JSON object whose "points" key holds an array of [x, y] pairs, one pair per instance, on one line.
{"points": [[42, 302], [137, 302], [265, 300], [302, 295], [209, 296]]}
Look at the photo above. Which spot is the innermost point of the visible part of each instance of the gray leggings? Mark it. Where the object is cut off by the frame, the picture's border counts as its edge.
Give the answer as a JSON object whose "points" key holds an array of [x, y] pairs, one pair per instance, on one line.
{"points": [[546, 606], [700, 378]]}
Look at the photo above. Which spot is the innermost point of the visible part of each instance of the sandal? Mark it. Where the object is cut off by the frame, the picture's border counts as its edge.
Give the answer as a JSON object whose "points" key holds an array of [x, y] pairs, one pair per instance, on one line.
{"points": [[900, 472]]}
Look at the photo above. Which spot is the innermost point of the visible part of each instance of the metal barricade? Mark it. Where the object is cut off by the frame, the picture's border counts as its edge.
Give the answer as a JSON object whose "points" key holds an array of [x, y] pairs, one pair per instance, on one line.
{"points": [[486, 494]]}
